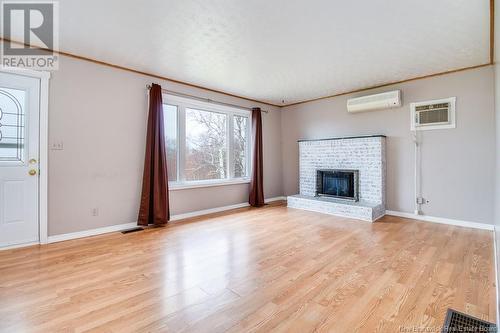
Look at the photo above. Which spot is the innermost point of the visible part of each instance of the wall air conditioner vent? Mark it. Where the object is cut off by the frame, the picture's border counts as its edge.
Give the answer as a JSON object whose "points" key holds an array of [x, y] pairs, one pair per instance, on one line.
{"points": [[437, 114], [386, 100]]}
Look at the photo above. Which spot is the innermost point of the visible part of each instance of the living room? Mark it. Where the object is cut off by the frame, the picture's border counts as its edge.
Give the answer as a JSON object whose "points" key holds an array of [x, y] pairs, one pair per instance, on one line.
{"points": [[249, 166]]}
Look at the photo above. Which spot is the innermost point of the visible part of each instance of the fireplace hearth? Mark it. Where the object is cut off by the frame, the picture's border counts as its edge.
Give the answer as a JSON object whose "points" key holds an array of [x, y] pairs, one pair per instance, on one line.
{"points": [[338, 183], [342, 176]]}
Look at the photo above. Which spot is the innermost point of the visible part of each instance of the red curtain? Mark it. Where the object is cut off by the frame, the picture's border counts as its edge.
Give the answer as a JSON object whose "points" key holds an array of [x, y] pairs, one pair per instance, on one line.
{"points": [[256, 198], [154, 207]]}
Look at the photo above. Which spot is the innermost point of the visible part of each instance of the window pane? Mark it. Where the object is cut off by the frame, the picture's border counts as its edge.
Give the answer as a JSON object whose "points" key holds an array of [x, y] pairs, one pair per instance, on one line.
{"points": [[170, 124], [240, 146], [12, 124], [206, 146]]}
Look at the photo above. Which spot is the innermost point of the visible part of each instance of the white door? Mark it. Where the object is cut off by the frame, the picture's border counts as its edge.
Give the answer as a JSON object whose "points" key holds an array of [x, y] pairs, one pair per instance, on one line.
{"points": [[19, 150]]}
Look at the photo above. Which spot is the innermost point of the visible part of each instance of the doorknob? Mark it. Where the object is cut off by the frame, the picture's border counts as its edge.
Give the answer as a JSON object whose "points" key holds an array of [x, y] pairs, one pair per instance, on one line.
{"points": [[32, 172], [32, 161]]}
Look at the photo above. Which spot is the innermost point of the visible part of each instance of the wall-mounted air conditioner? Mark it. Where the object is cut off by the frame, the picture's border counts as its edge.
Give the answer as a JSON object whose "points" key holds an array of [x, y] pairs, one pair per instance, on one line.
{"points": [[430, 115], [387, 100]]}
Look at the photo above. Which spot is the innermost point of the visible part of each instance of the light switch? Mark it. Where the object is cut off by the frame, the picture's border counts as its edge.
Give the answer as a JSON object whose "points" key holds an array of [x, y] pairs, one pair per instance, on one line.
{"points": [[57, 145]]}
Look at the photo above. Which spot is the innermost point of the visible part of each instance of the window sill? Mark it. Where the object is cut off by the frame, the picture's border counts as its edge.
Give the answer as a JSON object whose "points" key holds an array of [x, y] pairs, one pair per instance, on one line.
{"points": [[206, 183]]}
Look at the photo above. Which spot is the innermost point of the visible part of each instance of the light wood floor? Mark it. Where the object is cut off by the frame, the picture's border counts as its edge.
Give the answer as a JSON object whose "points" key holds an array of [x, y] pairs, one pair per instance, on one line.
{"points": [[271, 269]]}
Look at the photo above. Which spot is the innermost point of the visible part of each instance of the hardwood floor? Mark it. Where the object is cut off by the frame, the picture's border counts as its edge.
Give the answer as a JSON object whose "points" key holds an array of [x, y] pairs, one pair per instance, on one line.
{"points": [[260, 270]]}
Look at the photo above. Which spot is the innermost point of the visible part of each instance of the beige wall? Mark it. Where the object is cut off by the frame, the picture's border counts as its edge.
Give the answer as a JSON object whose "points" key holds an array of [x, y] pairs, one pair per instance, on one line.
{"points": [[99, 113], [458, 164], [497, 119], [497, 148]]}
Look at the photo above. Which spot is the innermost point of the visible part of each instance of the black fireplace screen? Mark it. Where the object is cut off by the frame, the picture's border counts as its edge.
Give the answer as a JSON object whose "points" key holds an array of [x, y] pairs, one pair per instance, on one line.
{"points": [[340, 183]]}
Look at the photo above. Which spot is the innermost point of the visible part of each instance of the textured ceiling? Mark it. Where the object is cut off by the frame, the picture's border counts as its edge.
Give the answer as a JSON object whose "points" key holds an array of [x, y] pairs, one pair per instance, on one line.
{"points": [[281, 49]]}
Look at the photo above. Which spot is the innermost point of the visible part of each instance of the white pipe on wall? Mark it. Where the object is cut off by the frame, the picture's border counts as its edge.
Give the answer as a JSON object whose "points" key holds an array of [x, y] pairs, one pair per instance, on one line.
{"points": [[417, 173]]}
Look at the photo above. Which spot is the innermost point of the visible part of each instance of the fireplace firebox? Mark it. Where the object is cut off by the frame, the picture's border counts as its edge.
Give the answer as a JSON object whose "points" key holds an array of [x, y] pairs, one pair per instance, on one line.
{"points": [[338, 183]]}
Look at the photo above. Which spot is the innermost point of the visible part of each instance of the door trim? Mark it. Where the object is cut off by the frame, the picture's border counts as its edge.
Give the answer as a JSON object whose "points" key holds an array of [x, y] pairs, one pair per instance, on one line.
{"points": [[43, 142]]}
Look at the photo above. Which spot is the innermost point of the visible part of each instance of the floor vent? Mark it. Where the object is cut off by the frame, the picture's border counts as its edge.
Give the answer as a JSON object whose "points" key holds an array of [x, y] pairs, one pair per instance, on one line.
{"points": [[460, 322], [132, 230]]}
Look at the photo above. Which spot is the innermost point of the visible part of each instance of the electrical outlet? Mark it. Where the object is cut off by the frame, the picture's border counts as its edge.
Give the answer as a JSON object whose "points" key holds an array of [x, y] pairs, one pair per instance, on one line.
{"points": [[57, 145], [95, 211], [421, 201]]}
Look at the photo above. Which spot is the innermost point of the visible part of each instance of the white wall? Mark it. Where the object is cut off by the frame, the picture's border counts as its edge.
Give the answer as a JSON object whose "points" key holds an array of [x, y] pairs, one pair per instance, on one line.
{"points": [[458, 164], [100, 114]]}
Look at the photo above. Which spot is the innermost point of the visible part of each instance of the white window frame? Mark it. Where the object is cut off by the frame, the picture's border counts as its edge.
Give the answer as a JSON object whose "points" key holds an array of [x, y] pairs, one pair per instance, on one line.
{"points": [[183, 103]]}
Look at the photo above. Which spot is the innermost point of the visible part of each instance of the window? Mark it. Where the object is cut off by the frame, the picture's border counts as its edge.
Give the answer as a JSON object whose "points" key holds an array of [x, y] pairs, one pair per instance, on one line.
{"points": [[170, 125], [12, 125], [206, 143], [241, 130]]}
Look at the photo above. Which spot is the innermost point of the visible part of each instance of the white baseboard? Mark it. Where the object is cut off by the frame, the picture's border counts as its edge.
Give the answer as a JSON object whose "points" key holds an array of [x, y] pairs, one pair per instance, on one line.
{"points": [[283, 198], [11, 247], [206, 211], [217, 209], [442, 220], [121, 227], [91, 232]]}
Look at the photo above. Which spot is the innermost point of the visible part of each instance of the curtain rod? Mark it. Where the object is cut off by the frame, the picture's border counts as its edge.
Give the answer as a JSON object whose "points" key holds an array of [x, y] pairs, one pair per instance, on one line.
{"points": [[208, 100]]}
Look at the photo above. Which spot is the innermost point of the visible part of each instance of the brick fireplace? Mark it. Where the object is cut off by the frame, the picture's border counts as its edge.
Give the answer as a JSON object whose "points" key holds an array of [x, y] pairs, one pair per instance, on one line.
{"points": [[342, 176]]}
